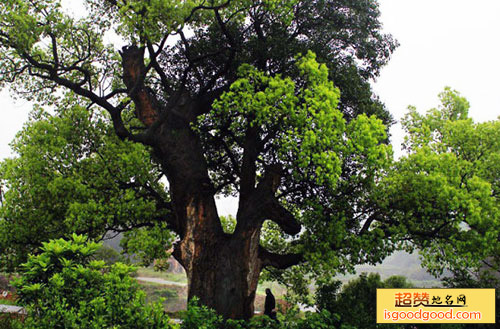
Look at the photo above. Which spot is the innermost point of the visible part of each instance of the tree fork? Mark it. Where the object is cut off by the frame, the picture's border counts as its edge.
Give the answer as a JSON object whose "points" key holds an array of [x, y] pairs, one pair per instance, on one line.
{"points": [[223, 270]]}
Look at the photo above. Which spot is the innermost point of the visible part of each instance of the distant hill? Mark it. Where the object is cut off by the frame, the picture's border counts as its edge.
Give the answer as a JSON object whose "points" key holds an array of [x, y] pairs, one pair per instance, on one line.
{"points": [[112, 240], [399, 263]]}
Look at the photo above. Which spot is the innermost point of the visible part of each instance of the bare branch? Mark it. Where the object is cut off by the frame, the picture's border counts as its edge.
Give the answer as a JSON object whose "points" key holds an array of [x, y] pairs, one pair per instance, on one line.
{"points": [[52, 75], [203, 7], [156, 66]]}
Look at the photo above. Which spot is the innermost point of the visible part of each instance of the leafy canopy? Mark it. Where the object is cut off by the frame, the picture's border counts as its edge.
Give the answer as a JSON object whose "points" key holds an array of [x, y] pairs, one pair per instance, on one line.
{"points": [[240, 58], [195, 45], [299, 124], [72, 174], [249, 96], [444, 195]]}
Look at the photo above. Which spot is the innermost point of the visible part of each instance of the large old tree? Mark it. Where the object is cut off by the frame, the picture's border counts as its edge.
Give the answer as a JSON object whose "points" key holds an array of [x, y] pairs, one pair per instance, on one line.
{"points": [[221, 98], [279, 137]]}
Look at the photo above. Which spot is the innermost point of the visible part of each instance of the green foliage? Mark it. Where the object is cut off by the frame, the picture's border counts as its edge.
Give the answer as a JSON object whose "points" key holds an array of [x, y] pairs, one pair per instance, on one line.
{"points": [[63, 287], [485, 277], [301, 123], [151, 20], [349, 307], [228, 223], [8, 322], [301, 129], [149, 244], [326, 295], [238, 67], [200, 317], [310, 124], [359, 295], [29, 28], [317, 320], [328, 139], [72, 174], [354, 304], [397, 281], [109, 255], [444, 195], [26, 26]]}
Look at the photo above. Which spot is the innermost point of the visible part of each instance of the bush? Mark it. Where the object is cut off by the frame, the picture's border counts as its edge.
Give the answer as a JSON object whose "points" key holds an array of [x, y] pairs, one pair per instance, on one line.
{"points": [[63, 287], [200, 317], [355, 304], [316, 320], [8, 321]]}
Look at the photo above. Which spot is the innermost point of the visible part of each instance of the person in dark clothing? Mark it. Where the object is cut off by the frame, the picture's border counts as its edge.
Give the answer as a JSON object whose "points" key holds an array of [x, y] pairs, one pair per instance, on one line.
{"points": [[270, 305]]}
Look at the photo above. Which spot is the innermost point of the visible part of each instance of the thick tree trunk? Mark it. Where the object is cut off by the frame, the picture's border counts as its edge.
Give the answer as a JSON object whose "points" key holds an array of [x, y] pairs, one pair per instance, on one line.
{"points": [[223, 270], [223, 273]]}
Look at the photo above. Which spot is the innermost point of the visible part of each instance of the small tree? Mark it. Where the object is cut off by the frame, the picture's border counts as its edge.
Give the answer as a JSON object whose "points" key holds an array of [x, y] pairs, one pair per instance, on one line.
{"points": [[443, 196], [63, 287]]}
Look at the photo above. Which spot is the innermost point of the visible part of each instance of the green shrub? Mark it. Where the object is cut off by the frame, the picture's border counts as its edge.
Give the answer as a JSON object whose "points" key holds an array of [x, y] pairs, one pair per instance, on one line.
{"points": [[354, 304], [315, 320], [7, 321], [63, 287], [200, 317]]}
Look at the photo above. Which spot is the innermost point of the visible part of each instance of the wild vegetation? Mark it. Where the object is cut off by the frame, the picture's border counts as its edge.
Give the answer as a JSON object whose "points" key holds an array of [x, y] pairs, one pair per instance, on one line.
{"points": [[268, 101]]}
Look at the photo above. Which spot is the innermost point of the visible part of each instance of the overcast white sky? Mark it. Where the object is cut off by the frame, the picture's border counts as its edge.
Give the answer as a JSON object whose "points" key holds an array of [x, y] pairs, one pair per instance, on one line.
{"points": [[443, 43], [452, 43]]}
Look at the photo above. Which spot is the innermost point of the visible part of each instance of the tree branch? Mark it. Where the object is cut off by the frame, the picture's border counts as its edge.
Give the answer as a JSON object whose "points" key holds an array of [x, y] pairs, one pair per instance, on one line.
{"points": [[281, 216], [202, 7], [134, 73], [153, 57], [53, 76], [279, 261], [223, 70], [367, 224], [248, 165], [262, 204]]}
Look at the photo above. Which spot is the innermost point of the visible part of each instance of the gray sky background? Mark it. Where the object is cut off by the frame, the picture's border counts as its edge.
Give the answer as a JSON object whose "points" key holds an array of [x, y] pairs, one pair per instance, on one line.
{"points": [[451, 43], [443, 43]]}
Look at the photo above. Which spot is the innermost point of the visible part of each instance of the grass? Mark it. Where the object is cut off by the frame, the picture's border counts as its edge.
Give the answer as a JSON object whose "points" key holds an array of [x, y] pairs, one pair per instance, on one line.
{"points": [[151, 273], [156, 291], [277, 289], [7, 302], [174, 296]]}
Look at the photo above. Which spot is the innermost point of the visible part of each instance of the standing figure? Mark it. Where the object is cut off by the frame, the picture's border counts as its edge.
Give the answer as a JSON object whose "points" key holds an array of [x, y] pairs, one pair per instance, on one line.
{"points": [[270, 305]]}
